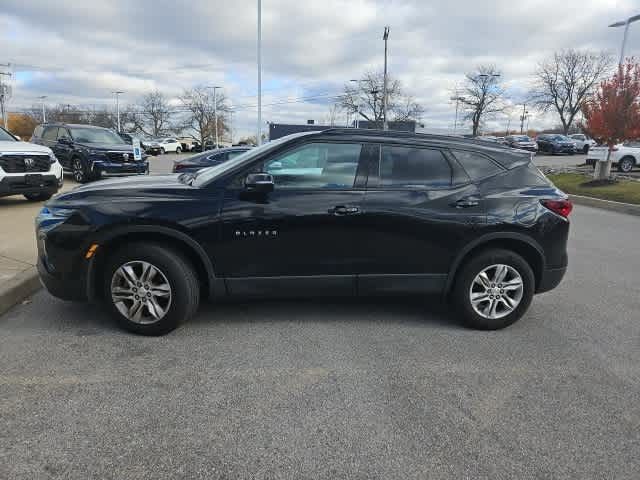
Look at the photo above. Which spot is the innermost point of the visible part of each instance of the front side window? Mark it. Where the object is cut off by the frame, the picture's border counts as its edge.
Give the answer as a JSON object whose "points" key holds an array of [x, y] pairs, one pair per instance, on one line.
{"points": [[477, 166], [316, 165], [62, 133], [409, 167]]}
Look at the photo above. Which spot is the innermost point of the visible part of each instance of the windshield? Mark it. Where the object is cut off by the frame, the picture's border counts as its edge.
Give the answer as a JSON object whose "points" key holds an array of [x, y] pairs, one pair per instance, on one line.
{"points": [[6, 136], [207, 174], [522, 138], [96, 135], [561, 138]]}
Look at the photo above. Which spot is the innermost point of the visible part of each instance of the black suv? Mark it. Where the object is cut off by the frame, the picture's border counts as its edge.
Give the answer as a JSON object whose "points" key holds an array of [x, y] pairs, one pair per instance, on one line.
{"points": [[339, 212], [555, 143], [89, 152]]}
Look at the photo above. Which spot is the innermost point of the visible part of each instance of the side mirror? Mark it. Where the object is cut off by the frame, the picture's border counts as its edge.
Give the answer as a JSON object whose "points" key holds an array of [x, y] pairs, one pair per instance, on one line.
{"points": [[259, 182], [64, 140]]}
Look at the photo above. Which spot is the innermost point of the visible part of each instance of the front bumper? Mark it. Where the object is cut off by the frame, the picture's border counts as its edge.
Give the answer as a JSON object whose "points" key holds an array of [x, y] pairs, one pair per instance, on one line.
{"points": [[115, 169], [29, 183], [551, 278]]}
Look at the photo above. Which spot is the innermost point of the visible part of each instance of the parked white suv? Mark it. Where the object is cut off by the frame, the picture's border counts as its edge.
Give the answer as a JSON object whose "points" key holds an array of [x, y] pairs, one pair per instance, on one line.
{"points": [[624, 155], [170, 145], [583, 143], [28, 169]]}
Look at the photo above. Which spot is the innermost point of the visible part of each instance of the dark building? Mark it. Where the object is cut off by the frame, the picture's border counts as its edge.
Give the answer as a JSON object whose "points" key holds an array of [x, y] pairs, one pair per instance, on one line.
{"points": [[277, 130]]}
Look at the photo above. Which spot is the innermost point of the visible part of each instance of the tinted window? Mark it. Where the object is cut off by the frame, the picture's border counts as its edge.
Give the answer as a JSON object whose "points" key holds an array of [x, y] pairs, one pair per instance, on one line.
{"points": [[50, 133], [96, 135], [477, 166], [62, 133], [414, 167], [316, 165]]}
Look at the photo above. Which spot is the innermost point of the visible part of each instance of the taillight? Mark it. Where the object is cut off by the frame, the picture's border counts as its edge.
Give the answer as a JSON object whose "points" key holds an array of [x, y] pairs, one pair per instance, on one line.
{"points": [[561, 207], [177, 167]]}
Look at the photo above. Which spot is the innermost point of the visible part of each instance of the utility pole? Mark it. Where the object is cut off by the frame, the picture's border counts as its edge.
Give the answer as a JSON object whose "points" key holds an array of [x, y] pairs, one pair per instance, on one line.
{"points": [[625, 24], [4, 93], [385, 37], [259, 124], [44, 115], [117, 93], [522, 117]]}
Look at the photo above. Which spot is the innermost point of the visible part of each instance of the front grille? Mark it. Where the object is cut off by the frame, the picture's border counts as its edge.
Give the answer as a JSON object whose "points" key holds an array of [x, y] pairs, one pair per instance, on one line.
{"points": [[120, 156], [25, 163]]}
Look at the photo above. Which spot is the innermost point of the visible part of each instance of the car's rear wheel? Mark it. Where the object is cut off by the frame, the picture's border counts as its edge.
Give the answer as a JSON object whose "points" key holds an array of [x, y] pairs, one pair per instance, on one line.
{"points": [[162, 151], [178, 149], [626, 164], [150, 288], [79, 171], [37, 197], [494, 289]]}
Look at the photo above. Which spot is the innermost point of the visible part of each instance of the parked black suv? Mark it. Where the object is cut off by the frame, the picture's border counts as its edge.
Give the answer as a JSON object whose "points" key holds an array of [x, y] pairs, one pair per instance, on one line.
{"points": [[339, 212], [89, 152], [555, 143]]}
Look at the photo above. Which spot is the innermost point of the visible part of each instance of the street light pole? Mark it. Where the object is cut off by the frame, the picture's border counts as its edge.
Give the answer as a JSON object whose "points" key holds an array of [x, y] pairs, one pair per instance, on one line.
{"points": [[259, 124], [44, 115], [385, 37], [117, 93], [626, 24], [524, 115], [215, 113], [458, 99], [357, 123]]}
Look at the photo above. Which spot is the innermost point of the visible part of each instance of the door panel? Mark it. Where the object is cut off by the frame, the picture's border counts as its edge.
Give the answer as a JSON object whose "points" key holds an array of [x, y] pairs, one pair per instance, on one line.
{"points": [[418, 210], [302, 236]]}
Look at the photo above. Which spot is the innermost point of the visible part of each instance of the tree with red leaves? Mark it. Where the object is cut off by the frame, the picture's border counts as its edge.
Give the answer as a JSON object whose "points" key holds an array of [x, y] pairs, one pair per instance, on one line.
{"points": [[613, 114]]}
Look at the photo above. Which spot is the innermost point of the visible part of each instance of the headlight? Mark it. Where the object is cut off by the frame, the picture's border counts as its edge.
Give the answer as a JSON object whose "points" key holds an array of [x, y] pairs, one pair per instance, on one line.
{"points": [[49, 217], [97, 153], [52, 158]]}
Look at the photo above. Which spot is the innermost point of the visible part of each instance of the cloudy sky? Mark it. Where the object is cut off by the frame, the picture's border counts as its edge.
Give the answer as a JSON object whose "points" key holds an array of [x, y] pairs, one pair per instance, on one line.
{"points": [[78, 51]]}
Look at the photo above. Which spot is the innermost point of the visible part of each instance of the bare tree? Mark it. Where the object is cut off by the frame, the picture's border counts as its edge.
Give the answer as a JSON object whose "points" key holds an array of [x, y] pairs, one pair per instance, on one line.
{"points": [[565, 81], [153, 116], [200, 112], [482, 95], [332, 116], [364, 98]]}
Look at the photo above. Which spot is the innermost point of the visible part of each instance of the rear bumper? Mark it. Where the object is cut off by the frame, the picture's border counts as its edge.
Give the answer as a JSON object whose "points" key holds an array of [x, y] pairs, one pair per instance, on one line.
{"points": [[551, 278], [17, 185]]}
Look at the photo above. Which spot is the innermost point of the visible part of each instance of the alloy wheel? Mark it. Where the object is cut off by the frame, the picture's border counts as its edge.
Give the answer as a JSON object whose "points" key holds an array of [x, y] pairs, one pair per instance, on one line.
{"points": [[626, 165], [496, 291], [78, 172], [141, 292]]}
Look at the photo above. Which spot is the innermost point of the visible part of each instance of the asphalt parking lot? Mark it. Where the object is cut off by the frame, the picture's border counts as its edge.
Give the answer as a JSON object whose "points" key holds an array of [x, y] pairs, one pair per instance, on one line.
{"points": [[328, 389]]}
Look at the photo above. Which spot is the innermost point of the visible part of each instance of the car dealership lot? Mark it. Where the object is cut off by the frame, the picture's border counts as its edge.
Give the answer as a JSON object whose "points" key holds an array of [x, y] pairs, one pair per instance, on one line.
{"points": [[334, 389]]}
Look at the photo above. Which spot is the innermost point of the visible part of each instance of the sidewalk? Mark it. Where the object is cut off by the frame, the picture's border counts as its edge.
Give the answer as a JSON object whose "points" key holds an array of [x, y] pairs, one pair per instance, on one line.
{"points": [[18, 276]]}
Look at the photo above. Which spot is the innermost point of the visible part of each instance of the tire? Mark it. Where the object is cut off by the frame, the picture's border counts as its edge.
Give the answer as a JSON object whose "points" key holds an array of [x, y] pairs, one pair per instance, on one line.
{"points": [[585, 149], [172, 270], [178, 150], [79, 171], [37, 197], [162, 152], [465, 286], [626, 164]]}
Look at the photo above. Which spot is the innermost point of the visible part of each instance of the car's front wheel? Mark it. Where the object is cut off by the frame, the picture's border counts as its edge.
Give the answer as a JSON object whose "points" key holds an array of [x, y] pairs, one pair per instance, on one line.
{"points": [[162, 151], [494, 289], [78, 170], [626, 164], [585, 149], [150, 288]]}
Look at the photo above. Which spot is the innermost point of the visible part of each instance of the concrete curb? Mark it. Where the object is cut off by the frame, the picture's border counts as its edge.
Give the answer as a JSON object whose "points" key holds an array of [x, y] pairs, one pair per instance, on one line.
{"points": [[18, 288], [628, 208]]}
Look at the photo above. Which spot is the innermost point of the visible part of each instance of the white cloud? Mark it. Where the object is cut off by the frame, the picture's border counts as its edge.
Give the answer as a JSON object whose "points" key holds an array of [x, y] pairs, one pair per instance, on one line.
{"points": [[78, 51]]}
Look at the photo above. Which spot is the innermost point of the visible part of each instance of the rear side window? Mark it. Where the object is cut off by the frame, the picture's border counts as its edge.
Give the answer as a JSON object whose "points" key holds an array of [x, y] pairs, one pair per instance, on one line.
{"points": [[410, 167], [477, 166], [37, 133], [63, 133], [50, 133]]}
